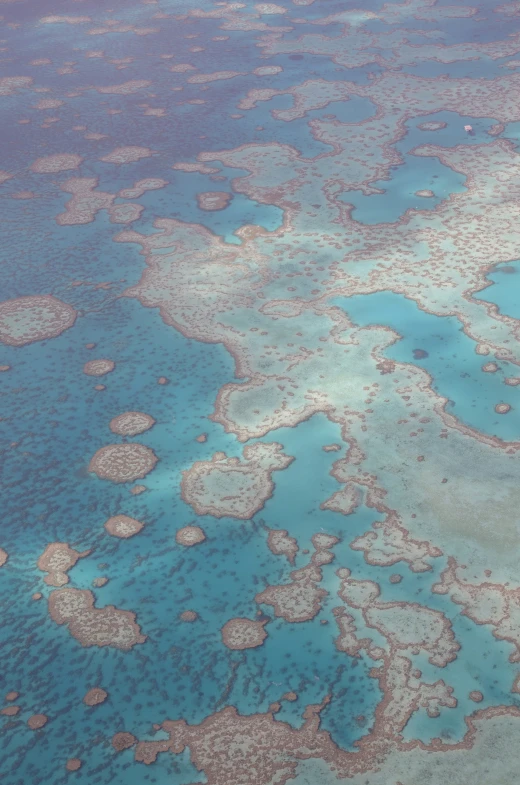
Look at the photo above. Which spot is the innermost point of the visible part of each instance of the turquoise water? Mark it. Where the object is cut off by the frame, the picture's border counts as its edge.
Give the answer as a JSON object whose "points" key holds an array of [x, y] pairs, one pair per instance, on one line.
{"points": [[449, 358], [224, 223], [54, 420], [502, 291], [417, 173]]}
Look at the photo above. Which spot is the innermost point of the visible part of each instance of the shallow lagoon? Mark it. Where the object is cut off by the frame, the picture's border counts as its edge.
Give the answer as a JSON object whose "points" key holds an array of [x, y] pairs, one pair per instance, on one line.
{"points": [[439, 345], [54, 420]]}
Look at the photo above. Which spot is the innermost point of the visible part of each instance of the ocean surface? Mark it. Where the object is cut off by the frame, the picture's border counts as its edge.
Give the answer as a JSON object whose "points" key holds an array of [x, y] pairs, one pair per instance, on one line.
{"points": [[305, 294]]}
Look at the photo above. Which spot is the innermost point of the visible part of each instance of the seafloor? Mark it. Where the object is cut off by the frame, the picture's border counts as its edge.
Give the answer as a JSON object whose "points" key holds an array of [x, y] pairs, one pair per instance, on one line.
{"points": [[260, 416]]}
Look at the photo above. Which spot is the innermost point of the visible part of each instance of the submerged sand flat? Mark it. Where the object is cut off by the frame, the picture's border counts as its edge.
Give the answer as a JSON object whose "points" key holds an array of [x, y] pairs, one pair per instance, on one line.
{"points": [[278, 541]]}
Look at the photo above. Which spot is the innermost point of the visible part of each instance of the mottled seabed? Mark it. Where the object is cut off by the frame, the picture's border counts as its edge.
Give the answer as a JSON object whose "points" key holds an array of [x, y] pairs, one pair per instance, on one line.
{"points": [[259, 366]]}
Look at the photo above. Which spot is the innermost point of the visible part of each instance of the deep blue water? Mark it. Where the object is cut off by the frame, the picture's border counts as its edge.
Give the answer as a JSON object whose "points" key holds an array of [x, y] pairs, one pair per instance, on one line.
{"points": [[53, 420]]}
